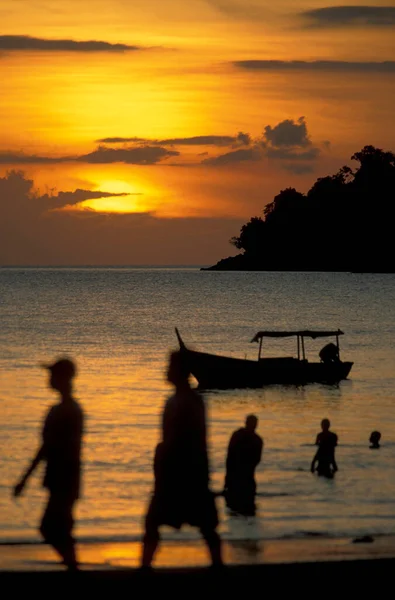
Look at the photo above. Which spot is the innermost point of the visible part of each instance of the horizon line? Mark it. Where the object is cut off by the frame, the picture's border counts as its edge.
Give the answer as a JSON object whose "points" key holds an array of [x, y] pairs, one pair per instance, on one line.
{"points": [[102, 266]]}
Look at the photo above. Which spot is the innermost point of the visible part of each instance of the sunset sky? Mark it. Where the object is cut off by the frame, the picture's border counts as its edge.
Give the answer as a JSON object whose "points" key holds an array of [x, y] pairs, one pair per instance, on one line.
{"points": [[149, 131]]}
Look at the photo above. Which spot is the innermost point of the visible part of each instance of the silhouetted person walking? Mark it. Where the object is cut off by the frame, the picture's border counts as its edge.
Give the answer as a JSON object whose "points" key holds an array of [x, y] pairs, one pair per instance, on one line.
{"points": [[325, 455], [244, 455], [374, 440], [61, 450], [181, 468]]}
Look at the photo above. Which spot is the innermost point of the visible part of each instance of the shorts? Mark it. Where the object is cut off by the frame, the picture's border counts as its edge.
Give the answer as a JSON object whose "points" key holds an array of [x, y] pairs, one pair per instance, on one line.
{"points": [[57, 522]]}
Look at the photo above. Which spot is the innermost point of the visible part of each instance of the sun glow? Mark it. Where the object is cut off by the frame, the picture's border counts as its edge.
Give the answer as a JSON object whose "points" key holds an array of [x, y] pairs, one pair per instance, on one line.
{"points": [[117, 186], [131, 203]]}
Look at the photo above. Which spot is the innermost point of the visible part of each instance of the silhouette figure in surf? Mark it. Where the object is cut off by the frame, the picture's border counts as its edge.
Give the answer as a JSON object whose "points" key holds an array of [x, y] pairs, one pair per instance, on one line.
{"points": [[244, 455], [324, 460], [374, 440], [181, 468], [61, 450]]}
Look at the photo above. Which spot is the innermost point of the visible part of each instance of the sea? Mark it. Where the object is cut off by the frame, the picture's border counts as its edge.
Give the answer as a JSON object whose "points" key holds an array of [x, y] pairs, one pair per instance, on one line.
{"points": [[118, 324]]}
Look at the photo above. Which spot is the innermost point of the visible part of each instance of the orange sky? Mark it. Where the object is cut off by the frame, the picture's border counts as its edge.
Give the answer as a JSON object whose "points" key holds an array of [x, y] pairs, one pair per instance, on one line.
{"points": [[152, 125]]}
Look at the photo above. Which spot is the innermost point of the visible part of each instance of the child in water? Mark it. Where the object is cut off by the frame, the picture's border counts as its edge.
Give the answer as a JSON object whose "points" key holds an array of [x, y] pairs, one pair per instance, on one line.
{"points": [[325, 455], [374, 440]]}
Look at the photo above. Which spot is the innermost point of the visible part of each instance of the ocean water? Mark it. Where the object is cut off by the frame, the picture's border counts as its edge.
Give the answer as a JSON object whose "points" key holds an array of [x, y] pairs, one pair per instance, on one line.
{"points": [[118, 323]]}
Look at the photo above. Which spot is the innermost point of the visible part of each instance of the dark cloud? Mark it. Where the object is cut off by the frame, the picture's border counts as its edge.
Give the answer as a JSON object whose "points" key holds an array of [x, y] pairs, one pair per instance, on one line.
{"points": [[237, 156], [63, 199], [287, 142], [337, 66], [243, 138], [19, 198], [37, 203], [19, 158], [288, 133], [197, 140], [123, 140], [344, 16], [12, 43], [142, 155], [290, 143], [293, 153]]}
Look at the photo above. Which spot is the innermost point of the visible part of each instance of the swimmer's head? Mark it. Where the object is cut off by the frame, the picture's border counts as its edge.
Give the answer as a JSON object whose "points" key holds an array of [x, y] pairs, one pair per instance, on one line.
{"points": [[375, 438]]}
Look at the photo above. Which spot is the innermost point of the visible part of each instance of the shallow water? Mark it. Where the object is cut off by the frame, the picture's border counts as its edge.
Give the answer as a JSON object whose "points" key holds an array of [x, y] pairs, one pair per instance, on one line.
{"points": [[119, 325]]}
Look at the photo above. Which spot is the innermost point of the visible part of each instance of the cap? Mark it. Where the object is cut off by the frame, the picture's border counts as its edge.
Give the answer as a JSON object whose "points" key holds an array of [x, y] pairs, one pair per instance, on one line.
{"points": [[63, 367]]}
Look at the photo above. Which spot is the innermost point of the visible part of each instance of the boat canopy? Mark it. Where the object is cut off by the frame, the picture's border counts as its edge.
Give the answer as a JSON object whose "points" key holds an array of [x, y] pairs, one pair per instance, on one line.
{"points": [[303, 333]]}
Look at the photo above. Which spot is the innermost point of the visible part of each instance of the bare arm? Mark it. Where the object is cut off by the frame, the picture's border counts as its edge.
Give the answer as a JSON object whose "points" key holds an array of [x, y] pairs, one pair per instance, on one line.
{"points": [[232, 448], [259, 453], [18, 489], [230, 456], [334, 464], [312, 468]]}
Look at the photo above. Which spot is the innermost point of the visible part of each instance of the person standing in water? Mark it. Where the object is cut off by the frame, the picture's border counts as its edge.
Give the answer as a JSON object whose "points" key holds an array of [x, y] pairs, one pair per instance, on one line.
{"points": [[181, 467], [325, 455], [244, 455], [61, 450]]}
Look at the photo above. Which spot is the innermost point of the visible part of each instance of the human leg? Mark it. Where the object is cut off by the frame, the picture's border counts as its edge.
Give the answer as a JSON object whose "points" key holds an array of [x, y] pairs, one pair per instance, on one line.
{"points": [[151, 536], [56, 528], [213, 542]]}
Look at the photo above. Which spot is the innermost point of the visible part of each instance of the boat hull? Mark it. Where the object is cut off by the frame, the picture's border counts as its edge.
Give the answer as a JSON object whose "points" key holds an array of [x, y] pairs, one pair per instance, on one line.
{"points": [[222, 372]]}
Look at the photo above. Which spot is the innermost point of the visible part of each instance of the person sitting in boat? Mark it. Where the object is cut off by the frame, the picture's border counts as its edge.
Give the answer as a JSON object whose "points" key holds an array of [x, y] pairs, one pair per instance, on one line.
{"points": [[244, 455], [374, 440], [325, 456], [329, 353]]}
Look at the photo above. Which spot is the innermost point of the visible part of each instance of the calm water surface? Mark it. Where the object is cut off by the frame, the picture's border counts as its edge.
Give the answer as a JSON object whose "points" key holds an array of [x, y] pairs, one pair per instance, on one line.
{"points": [[119, 325]]}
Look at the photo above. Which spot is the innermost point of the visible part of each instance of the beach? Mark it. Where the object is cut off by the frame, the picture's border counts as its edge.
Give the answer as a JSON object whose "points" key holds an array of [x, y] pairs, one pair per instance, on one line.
{"points": [[296, 566], [112, 556]]}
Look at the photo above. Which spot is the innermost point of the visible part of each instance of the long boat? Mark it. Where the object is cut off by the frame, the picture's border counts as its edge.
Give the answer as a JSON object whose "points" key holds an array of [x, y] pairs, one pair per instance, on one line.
{"points": [[215, 372]]}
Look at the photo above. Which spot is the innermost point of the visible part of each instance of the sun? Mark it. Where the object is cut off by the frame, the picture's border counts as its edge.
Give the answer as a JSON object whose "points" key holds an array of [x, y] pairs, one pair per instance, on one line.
{"points": [[130, 203], [117, 186]]}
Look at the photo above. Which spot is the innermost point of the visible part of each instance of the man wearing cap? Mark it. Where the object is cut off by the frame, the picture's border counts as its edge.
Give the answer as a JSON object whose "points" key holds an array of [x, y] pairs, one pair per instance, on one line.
{"points": [[61, 450]]}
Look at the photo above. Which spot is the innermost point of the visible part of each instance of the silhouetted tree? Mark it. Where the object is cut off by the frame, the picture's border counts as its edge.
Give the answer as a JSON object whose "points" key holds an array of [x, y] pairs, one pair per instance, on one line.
{"points": [[376, 166], [373, 199], [251, 236], [344, 222], [286, 206]]}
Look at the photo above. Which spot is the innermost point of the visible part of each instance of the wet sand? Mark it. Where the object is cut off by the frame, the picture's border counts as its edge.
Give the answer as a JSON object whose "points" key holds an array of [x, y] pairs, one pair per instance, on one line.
{"points": [[284, 564]]}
